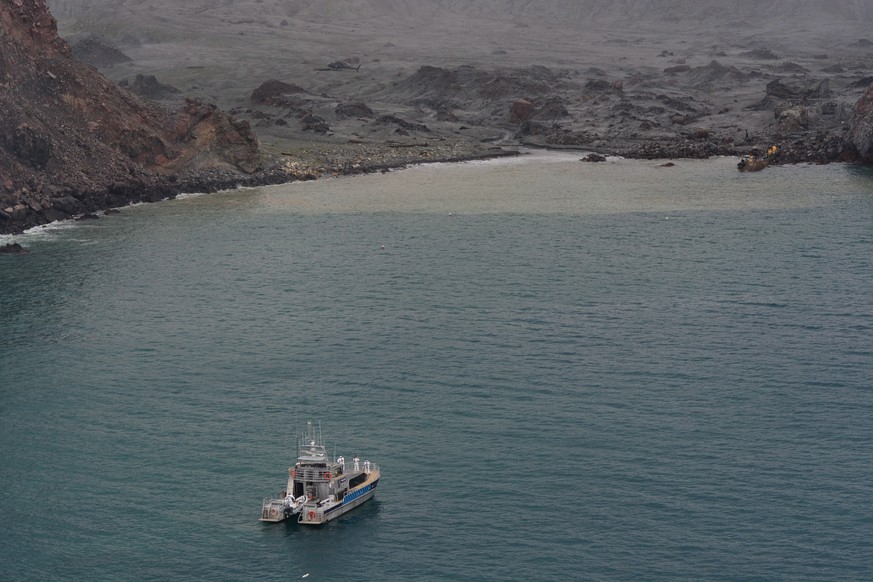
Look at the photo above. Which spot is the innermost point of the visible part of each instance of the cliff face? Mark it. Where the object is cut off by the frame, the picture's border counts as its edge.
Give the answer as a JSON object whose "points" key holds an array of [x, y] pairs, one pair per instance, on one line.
{"points": [[861, 133], [69, 136]]}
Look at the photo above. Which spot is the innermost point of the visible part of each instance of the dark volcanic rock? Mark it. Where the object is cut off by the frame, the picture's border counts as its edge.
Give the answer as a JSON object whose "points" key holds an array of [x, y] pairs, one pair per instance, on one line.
{"points": [[97, 52], [713, 73], [402, 124], [467, 85], [860, 136], [149, 87], [792, 68], [71, 141], [13, 249], [270, 92], [551, 109], [533, 116], [32, 146], [811, 89], [354, 109], [311, 122], [597, 85], [763, 54], [677, 69]]}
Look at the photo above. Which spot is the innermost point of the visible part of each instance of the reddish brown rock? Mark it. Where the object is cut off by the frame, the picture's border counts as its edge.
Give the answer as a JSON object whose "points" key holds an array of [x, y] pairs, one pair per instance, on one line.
{"points": [[521, 111], [65, 128], [860, 137]]}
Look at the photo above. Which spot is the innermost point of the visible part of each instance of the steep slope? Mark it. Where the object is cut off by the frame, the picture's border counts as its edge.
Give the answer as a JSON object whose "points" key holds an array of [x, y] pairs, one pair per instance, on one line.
{"points": [[860, 135], [72, 141]]}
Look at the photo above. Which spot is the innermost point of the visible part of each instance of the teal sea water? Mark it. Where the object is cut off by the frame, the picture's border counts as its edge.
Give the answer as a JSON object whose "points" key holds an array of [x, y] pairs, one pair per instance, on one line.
{"points": [[566, 371]]}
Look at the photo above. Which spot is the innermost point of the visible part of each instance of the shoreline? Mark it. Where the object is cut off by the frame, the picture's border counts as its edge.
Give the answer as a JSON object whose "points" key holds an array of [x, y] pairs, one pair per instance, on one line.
{"points": [[211, 181], [350, 159]]}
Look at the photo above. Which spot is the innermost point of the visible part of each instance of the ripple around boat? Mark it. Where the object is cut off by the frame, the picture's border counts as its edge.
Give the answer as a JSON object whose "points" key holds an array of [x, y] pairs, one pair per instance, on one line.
{"points": [[319, 489]]}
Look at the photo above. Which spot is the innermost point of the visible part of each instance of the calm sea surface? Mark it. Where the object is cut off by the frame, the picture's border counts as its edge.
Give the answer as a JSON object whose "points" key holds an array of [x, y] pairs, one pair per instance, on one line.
{"points": [[566, 371]]}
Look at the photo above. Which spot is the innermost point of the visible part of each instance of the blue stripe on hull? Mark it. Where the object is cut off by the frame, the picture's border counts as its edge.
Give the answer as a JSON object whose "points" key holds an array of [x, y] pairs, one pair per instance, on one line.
{"points": [[352, 497]]}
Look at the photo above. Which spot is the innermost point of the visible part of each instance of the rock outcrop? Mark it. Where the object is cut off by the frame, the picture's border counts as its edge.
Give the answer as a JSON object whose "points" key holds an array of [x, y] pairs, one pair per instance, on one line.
{"points": [[272, 92], [860, 136], [96, 51], [149, 87], [521, 111], [71, 141]]}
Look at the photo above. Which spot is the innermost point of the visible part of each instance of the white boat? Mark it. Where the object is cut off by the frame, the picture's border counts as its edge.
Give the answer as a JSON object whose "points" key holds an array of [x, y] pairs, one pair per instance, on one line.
{"points": [[319, 489]]}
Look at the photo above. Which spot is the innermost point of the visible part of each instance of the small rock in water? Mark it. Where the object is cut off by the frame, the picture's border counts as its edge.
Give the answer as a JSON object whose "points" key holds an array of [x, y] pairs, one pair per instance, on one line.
{"points": [[13, 249]]}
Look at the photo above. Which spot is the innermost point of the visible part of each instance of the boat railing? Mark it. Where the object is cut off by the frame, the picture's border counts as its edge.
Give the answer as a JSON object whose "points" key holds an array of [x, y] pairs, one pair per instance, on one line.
{"points": [[316, 475], [265, 508], [371, 468], [313, 474]]}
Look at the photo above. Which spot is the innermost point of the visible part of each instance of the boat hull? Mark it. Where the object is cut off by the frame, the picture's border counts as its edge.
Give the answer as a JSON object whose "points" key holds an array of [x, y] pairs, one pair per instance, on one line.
{"points": [[320, 489], [319, 513], [274, 512], [314, 515]]}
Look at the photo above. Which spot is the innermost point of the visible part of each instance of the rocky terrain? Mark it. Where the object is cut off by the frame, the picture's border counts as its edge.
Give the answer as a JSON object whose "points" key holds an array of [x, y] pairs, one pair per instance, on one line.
{"points": [[365, 85], [72, 142]]}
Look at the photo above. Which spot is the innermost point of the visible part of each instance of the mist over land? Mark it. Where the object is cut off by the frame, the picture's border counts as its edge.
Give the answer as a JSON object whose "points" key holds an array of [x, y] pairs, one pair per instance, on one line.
{"points": [[318, 88], [604, 75]]}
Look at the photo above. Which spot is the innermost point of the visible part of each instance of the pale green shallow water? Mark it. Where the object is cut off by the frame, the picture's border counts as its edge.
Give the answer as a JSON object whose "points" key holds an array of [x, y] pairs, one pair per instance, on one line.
{"points": [[566, 371]]}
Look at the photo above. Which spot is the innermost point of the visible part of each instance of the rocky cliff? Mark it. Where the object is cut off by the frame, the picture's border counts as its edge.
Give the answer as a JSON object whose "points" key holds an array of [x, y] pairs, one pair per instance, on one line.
{"points": [[861, 133], [71, 141]]}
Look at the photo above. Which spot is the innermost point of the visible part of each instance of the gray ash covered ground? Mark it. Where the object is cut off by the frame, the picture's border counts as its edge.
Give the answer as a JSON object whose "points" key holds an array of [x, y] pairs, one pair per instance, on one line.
{"points": [[641, 79], [434, 80]]}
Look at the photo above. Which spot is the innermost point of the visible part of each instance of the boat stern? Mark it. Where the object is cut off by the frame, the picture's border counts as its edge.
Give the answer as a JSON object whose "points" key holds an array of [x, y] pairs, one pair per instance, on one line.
{"points": [[311, 515], [272, 510]]}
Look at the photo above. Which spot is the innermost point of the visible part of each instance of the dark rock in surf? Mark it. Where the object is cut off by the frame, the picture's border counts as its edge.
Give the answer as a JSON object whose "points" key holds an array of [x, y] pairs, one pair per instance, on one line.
{"points": [[13, 249]]}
